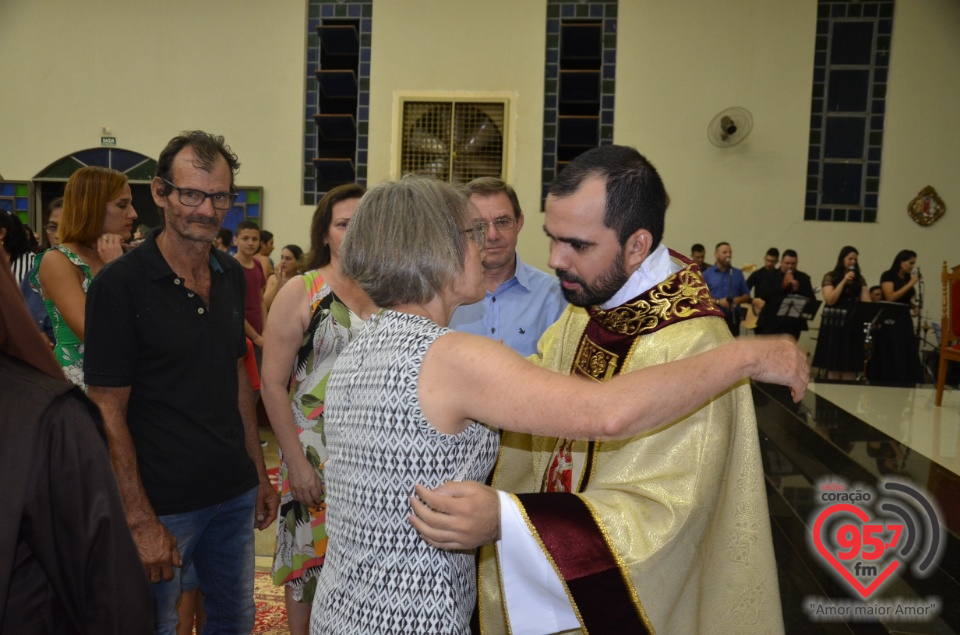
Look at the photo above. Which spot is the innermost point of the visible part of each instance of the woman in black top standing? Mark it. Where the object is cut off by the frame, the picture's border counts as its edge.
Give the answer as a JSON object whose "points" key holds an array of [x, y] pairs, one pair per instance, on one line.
{"points": [[899, 280], [840, 343], [895, 356]]}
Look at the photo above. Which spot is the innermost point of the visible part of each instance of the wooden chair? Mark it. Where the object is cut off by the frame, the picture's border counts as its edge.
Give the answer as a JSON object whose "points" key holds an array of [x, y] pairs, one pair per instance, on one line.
{"points": [[950, 325]]}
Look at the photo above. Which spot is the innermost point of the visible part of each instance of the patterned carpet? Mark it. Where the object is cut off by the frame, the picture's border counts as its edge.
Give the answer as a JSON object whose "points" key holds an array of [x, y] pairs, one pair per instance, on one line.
{"points": [[271, 615]]}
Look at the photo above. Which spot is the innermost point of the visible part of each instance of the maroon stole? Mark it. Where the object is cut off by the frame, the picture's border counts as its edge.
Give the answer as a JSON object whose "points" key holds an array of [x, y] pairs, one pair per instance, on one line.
{"points": [[571, 535]]}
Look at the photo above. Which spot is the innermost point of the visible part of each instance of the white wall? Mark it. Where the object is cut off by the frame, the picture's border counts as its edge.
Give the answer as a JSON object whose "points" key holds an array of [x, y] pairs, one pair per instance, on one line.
{"points": [[149, 70]]}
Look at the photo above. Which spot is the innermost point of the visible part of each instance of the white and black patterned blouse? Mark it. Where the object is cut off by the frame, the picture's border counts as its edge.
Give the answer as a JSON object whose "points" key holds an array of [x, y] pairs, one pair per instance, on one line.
{"points": [[379, 575]]}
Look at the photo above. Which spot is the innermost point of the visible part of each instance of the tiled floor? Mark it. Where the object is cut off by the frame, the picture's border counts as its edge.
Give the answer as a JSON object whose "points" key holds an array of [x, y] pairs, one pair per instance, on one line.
{"points": [[859, 434], [907, 415]]}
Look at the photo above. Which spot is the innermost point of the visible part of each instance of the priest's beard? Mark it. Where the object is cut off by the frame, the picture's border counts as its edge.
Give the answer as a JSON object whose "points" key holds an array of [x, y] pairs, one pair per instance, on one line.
{"points": [[602, 289]]}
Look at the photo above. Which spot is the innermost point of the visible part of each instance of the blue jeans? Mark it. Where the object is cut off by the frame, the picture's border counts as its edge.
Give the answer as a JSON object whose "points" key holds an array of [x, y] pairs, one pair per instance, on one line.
{"points": [[217, 543]]}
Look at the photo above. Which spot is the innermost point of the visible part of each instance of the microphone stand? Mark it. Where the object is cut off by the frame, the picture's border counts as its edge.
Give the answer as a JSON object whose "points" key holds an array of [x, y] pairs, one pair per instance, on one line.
{"points": [[920, 342], [919, 305], [734, 322]]}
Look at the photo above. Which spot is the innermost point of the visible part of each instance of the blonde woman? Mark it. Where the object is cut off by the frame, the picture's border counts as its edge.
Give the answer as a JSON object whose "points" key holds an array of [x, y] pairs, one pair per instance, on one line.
{"points": [[97, 220]]}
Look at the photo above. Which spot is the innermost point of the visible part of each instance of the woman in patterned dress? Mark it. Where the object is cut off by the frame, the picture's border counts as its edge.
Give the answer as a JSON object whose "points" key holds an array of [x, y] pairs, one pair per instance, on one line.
{"points": [[404, 399], [97, 219], [311, 320]]}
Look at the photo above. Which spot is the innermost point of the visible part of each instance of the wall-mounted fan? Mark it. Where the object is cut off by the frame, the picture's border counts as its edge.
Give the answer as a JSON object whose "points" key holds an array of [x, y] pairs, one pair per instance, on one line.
{"points": [[453, 141], [730, 127]]}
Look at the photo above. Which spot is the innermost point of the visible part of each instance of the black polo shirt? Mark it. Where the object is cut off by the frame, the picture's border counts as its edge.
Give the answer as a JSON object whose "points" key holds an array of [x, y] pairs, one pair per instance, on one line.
{"points": [[146, 330]]}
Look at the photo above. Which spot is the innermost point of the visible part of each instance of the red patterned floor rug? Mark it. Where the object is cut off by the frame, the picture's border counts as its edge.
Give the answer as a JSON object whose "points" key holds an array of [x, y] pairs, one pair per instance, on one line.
{"points": [[271, 614]]}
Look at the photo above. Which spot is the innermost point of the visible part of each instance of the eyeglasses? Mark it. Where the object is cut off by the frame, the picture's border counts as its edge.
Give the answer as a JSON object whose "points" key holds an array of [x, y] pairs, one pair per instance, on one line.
{"points": [[194, 198], [502, 224], [478, 234], [51, 228]]}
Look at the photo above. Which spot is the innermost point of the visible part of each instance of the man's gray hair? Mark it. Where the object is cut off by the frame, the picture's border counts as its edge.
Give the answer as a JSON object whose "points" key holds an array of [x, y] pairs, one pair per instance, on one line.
{"points": [[405, 242]]}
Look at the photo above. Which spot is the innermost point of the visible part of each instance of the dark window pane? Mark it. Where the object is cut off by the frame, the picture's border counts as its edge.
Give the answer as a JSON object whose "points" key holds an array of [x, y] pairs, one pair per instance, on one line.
{"points": [[580, 45], [580, 87], [582, 132], [847, 91], [844, 138], [842, 183], [852, 43]]}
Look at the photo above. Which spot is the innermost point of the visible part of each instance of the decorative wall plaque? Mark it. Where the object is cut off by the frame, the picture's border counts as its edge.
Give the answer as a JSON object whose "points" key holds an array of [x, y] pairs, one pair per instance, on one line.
{"points": [[927, 207]]}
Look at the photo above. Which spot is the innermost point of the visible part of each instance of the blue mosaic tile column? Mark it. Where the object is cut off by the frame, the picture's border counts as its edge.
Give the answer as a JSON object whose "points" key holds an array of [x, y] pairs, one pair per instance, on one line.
{"points": [[851, 61]]}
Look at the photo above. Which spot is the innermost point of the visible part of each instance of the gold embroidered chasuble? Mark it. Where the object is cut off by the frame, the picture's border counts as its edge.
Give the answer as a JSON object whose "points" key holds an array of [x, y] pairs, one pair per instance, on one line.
{"points": [[680, 512]]}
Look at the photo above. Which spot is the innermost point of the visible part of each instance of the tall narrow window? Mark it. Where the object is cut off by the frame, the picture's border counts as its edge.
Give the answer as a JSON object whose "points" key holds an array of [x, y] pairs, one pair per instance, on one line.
{"points": [[337, 96], [579, 81], [847, 111]]}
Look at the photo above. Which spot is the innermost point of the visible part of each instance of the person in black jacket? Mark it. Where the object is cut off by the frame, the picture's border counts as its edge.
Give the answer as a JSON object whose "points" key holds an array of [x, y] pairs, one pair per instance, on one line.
{"points": [[67, 560], [772, 287]]}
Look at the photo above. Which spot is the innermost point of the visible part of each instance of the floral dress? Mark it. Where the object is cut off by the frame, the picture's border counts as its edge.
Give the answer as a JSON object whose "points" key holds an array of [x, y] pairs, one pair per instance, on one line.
{"points": [[68, 349], [301, 532]]}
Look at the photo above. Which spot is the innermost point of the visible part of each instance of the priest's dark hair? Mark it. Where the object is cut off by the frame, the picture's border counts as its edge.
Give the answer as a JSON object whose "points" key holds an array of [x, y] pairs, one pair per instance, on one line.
{"points": [[636, 198]]}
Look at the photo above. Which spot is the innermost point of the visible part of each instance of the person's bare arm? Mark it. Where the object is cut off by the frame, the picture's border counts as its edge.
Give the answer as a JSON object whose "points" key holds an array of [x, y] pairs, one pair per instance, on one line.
{"points": [[61, 282], [110, 247], [270, 294], [469, 378], [283, 338], [156, 545], [268, 501], [892, 295], [832, 293], [251, 332], [265, 263], [457, 515], [263, 313]]}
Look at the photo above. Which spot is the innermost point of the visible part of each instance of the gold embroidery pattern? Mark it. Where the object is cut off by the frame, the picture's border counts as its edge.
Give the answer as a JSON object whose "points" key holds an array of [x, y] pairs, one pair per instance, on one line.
{"points": [[678, 297], [595, 362], [622, 567]]}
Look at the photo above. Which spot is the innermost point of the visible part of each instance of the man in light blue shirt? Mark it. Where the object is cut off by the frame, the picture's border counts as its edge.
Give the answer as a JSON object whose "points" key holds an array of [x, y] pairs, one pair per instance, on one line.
{"points": [[727, 286], [521, 300]]}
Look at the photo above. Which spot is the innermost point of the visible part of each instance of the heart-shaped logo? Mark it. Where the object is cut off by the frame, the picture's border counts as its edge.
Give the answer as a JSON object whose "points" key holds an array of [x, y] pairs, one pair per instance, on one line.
{"points": [[860, 544]]}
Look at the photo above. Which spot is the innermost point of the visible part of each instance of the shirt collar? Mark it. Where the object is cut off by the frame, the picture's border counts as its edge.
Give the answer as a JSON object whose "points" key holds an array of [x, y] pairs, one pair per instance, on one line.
{"points": [[157, 266], [655, 268], [521, 273]]}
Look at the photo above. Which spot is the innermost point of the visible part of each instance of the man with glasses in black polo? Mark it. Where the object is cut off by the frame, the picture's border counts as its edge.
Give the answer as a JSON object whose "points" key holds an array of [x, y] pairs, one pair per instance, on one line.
{"points": [[521, 300], [163, 360]]}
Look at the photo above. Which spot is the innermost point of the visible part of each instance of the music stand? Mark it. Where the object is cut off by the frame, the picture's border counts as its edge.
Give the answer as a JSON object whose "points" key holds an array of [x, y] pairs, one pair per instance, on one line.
{"points": [[884, 313], [810, 308], [798, 306], [871, 312], [893, 357], [864, 318]]}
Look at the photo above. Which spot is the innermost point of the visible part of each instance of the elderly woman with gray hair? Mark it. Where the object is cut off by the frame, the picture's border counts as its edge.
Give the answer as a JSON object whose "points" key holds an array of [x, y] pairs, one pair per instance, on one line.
{"points": [[405, 398]]}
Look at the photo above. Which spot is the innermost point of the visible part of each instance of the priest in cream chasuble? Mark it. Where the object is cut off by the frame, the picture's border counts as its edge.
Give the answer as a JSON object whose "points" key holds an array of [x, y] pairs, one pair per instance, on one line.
{"points": [[666, 532]]}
